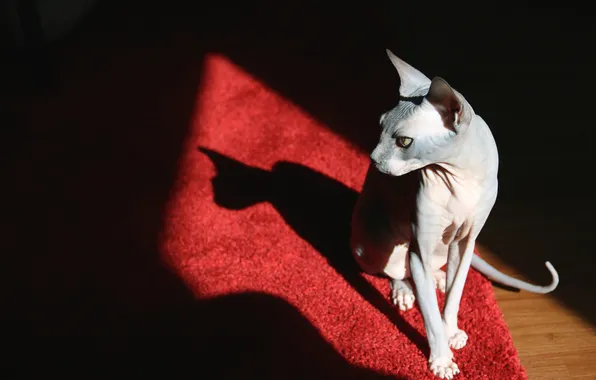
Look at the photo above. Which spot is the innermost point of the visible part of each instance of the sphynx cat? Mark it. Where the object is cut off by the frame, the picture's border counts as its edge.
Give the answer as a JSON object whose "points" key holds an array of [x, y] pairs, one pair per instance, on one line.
{"points": [[430, 187]]}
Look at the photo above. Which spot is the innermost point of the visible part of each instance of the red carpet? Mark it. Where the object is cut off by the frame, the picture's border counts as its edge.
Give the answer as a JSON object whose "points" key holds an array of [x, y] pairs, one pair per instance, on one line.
{"points": [[262, 204], [141, 156]]}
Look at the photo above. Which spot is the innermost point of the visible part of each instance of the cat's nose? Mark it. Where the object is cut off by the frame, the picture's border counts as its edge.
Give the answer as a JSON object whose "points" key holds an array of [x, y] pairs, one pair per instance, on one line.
{"points": [[375, 156]]}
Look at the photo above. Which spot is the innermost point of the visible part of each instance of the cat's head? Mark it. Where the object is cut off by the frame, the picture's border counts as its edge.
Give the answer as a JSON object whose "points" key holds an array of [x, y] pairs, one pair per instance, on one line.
{"points": [[420, 130]]}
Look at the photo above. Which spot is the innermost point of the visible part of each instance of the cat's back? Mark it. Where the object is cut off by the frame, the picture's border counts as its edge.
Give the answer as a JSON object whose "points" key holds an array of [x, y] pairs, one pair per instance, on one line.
{"points": [[390, 198], [486, 142], [381, 218]]}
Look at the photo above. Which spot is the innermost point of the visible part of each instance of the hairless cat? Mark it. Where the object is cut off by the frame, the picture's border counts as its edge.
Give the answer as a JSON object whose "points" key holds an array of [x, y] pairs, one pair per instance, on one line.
{"points": [[429, 190]]}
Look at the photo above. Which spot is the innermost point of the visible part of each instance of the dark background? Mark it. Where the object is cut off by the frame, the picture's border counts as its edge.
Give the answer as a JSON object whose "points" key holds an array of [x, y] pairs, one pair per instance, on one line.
{"points": [[114, 95]]}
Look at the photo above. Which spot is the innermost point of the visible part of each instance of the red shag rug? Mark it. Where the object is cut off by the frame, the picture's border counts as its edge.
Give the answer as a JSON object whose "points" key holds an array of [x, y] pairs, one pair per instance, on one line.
{"points": [[260, 214]]}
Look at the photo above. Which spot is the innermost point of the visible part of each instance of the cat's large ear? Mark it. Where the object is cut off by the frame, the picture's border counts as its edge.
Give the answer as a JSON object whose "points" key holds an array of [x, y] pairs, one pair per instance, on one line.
{"points": [[410, 78], [444, 99]]}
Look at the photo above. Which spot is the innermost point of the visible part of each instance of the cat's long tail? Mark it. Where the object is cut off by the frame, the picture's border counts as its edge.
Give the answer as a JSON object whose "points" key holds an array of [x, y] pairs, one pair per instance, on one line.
{"points": [[492, 273]]}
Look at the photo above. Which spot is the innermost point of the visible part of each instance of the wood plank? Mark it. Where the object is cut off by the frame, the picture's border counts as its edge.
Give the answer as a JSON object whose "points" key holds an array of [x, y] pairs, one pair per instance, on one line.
{"points": [[553, 342]]}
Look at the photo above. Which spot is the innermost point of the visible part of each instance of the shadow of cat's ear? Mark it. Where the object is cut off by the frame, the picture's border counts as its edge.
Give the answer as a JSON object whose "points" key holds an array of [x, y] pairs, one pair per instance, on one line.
{"points": [[216, 157], [410, 78], [225, 165], [237, 185]]}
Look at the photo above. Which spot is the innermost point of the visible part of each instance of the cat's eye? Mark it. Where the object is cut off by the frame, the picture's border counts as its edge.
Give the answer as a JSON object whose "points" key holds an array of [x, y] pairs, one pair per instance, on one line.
{"points": [[404, 142]]}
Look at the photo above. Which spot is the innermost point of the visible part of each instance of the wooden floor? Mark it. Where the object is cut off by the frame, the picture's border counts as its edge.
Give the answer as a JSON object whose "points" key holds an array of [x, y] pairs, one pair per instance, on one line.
{"points": [[552, 341]]}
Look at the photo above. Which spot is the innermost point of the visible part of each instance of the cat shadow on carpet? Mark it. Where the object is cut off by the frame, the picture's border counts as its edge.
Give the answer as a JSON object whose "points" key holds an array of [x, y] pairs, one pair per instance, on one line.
{"points": [[319, 210]]}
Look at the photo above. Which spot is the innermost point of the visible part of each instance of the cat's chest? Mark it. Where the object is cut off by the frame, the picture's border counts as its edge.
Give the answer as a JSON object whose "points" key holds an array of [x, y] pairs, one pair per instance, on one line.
{"points": [[464, 199], [446, 215], [457, 204]]}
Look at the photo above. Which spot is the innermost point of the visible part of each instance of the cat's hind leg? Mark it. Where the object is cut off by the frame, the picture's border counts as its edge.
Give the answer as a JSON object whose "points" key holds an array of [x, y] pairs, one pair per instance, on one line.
{"points": [[402, 290], [402, 294], [440, 278]]}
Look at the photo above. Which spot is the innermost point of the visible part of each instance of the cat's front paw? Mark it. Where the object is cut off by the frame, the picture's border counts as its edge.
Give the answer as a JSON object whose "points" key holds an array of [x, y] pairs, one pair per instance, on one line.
{"points": [[443, 367]]}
